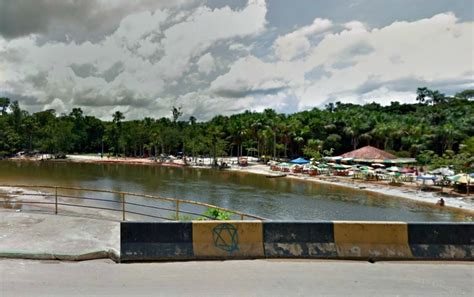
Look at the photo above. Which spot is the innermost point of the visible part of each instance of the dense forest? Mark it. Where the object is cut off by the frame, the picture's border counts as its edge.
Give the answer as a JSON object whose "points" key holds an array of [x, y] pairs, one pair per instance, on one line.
{"points": [[435, 128]]}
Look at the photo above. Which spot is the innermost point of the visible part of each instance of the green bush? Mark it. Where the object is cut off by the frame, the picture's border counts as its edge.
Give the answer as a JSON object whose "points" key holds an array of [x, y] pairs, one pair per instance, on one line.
{"points": [[217, 214]]}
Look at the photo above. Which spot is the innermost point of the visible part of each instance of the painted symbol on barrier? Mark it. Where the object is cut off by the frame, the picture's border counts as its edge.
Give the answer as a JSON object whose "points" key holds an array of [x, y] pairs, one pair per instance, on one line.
{"points": [[226, 237]]}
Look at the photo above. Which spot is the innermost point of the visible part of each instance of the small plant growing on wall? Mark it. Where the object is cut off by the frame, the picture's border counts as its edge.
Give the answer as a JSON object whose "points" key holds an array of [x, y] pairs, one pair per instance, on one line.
{"points": [[217, 214]]}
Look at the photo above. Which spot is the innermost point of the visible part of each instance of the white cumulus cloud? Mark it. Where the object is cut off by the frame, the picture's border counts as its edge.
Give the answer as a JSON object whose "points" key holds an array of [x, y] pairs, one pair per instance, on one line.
{"points": [[297, 42]]}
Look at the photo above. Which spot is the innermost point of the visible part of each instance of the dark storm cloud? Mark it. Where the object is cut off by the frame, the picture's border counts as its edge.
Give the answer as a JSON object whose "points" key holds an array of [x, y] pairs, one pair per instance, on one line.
{"points": [[23, 17], [80, 20]]}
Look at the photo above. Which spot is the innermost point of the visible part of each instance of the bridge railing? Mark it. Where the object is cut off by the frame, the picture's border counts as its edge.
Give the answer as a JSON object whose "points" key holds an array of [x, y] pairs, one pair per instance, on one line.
{"points": [[129, 206]]}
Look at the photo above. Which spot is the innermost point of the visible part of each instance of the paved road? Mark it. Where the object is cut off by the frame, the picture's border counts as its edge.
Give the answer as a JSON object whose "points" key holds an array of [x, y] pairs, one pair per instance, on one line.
{"points": [[235, 278], [37, 234]]}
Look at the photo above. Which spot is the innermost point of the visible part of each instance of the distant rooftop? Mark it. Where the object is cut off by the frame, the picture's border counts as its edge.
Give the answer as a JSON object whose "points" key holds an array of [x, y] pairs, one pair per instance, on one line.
{"points": [[369, 153]]}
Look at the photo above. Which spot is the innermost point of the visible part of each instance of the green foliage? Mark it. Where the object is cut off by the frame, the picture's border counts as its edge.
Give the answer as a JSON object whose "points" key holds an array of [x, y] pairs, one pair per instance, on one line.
{"points": [[459, 162], [425, 95], [217, 214], [467, 146], [425, 157], [313, 149], [176, 111], [466, 94], [425, 130]]}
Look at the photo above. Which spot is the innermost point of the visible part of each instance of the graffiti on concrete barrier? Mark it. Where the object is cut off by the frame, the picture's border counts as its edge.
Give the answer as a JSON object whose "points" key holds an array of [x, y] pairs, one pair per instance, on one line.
{"points": [[226, 237]]}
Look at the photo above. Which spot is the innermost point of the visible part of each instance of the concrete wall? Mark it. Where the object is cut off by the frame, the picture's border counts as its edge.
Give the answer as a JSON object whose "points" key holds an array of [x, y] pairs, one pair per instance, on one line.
{"points": [[296, 239]]}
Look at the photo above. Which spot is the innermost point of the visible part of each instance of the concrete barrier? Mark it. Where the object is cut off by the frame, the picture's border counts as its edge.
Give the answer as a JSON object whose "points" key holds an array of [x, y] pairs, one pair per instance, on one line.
{"points": [[372, 240], [441, 240], [191, 240], [274, 239], [156, 241], [230, 239], [299, 240]]}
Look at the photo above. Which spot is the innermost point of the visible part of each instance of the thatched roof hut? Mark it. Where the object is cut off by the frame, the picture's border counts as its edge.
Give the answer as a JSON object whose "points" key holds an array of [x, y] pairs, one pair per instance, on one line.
{"points": [[369, 153]]}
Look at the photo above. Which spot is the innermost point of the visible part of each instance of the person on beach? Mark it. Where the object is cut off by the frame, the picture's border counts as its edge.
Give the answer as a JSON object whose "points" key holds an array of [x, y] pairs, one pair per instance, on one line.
{"points": [[440, 202]]}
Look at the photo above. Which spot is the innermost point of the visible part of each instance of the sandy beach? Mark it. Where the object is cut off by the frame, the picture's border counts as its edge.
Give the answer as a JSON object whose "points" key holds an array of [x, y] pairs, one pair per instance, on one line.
{"points": [[411, 191]]}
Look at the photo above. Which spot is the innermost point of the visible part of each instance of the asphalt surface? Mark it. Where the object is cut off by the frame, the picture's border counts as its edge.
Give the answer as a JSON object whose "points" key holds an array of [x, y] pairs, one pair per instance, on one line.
{"points": [[235, 278]]}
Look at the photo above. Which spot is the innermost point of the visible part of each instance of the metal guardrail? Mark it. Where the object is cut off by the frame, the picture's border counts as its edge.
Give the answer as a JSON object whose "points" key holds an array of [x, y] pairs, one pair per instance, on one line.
{"points": [[176, 211]]}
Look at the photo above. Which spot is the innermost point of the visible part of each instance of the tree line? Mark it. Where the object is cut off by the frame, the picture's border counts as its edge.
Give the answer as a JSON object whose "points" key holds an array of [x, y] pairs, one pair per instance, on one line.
{"points": [[436, 126]]}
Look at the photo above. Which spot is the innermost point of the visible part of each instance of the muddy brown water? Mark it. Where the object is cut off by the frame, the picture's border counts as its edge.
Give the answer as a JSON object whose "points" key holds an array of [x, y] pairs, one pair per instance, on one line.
{"points": [[276, 198]]}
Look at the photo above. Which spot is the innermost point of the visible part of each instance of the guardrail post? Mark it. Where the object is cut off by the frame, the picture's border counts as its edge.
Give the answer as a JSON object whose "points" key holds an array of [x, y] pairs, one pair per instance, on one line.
{"points": [[177, 210], [122, 195], [56, 200]]}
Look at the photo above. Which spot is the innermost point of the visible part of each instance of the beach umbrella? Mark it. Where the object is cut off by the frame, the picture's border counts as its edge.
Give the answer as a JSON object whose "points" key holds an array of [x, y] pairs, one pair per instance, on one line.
{"points": [[299, 161], [284, 164], [323, 165], [332, 158], [461, 178], [378, 165], [393, 168], [340, 167], [426, 177], [443, 171]]}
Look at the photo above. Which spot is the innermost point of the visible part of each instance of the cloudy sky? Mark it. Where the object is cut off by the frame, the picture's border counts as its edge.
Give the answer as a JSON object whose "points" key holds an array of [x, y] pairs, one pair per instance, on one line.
{"points": [[222, 57]]}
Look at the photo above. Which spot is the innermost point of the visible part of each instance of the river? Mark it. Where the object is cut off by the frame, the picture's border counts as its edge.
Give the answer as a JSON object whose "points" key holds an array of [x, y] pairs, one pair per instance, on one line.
{"points": [[278, 198]]}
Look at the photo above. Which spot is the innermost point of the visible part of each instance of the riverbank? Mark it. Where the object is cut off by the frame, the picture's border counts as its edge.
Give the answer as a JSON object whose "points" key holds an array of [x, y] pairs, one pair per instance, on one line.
{"points": [[406, 191], [453, 200]]}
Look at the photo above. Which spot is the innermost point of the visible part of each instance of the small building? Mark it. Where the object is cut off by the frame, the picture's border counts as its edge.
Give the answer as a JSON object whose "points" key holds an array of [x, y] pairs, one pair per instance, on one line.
{"points": [[370, 154]]}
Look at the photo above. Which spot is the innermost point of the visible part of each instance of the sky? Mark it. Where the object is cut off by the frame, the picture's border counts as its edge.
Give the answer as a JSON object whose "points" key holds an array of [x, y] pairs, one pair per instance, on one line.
{"points": [[212, 57]]}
